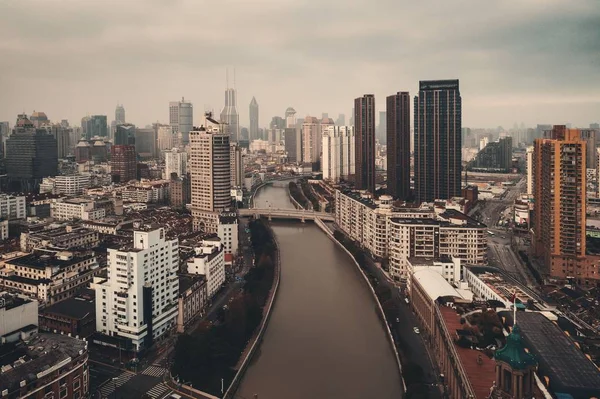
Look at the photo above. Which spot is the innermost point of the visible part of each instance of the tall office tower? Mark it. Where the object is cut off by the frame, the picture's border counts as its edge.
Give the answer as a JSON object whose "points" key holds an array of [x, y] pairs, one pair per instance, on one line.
{"points": [[277, 122], [236, 165], [398, 144], [341, 120], [62, 137], [145, 142], [290, 117], [84, 126], [120, 114], [311, 140], [530, 170], [591, 137], [176, 162], [181, 118], [438, 144], [230, 116], [164, 138], [31, 155], [96, 126], [254, 134], [364, 134], [138, 299], [382, 128], [125, 134], [210, 174], [324, 125], [123, 163], [4, 132], [560, 204], [39, 119], [293, 144], [338, 153]]}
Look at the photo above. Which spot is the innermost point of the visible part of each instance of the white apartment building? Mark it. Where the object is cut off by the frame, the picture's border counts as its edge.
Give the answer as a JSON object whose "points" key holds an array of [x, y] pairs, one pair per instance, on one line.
{"points": [[175, 162], [76, 208], [139, 299], [12, 207], [236, 165], [165, 138], [3, 229], [311, 140], [228, 232], [400, 233], [338, 153], [68, 185], [209, 261], [446, 266], [530, 170]]}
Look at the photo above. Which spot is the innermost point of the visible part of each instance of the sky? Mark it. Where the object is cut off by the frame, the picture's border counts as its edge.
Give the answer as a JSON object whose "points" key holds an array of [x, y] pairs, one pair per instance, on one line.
{"points": [[531, 61]]}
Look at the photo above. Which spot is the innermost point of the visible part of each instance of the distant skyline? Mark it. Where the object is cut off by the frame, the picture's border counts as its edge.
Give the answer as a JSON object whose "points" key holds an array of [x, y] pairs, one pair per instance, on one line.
{"points": [[532, 62]]}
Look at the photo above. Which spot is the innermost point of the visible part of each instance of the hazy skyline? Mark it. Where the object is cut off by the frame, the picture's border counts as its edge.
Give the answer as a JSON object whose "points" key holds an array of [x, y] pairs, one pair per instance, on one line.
{"points": [[518, 61]]}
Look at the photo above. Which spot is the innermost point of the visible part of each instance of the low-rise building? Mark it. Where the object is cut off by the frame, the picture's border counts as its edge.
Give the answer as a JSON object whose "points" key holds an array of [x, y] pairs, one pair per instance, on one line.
{"points": [[12, 207], [64, 238], [193, 299], [48, 276], [76, 208], [68, 184], [447, 266], [110, 226], [18, 316], [487, 284], [45, 366], [209, 261], [75, 316]]}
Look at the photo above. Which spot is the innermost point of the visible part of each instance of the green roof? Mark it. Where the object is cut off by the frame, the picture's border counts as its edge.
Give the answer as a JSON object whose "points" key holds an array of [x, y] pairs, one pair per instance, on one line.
{"points": [[514, 352]]}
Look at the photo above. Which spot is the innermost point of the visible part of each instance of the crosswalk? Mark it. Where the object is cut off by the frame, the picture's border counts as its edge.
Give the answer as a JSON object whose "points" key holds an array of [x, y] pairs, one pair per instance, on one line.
{"points": [[109, 386], [159, 391], [155, 371]]}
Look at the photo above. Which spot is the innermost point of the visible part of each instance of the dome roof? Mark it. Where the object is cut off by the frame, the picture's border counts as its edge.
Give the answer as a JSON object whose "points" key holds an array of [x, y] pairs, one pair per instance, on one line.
{"points": [[99, 143], [514, 352], [83, 143], [24, 122], [290, 110]]}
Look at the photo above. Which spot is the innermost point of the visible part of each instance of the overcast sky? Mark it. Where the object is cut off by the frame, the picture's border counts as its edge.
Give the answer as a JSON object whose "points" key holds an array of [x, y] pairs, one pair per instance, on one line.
{"points": [[532, 61]]}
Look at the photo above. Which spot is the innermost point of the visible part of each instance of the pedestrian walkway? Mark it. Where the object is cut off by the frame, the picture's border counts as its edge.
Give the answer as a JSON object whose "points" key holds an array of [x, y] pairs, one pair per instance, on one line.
{"points": [[109, 386], [159, 391], [155, 371]]}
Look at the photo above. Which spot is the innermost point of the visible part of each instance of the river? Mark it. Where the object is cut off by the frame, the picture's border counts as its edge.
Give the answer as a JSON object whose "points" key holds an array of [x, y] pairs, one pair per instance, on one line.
{"points": [[324, 338]]}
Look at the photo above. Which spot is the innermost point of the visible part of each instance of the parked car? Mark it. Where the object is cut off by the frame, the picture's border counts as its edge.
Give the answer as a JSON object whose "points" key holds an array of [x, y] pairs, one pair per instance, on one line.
{"points": [[416, 330]]}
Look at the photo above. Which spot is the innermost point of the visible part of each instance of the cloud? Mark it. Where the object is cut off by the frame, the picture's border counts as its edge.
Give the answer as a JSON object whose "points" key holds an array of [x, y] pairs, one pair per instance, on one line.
{"points": [[70, 57]]}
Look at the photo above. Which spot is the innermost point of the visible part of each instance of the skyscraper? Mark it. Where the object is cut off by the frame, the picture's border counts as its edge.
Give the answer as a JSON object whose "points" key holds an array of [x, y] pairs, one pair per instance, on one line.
{"points": [[4, 132], [438, 144], [120, 114], [311, 140], [145, 142], [398, 145], [290, 117], [293, 144], [175, 162], [125, 134], [230, 116], [338, 153], [382, 128], [254, 135], [123, 163], [236, 165], [181, 118], [559, 175], [364, 131], [341, 120], [210, 173], [96, 126], [31, 155]]}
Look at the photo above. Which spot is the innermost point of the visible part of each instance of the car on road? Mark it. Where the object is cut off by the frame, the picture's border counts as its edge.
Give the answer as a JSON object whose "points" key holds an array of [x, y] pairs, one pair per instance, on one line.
{"points": [[416, 330], [397, 320]]}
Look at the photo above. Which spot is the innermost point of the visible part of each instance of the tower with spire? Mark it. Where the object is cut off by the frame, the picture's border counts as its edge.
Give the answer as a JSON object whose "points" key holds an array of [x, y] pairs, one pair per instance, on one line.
{"points": [[229, 114]]}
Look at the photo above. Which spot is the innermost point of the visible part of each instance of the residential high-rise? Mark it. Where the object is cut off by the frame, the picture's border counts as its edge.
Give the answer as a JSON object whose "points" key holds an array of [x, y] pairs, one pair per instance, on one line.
{"points": [[165, 139], [591, 137], [364, 133], [120, 114], [341, 120], [437, 144], [123, 163], [236, 165], [31, 155], [494, 157], [138, 299], [210, 173], [175, 162], [382, 128], [530, 170], [560, 204], [181, 118], [398, 144], [311, 140], [4, 132], [254, 134], [62, 136], [145, 142], [290, 117], [230, 116], [293, 144], [338, 153]]}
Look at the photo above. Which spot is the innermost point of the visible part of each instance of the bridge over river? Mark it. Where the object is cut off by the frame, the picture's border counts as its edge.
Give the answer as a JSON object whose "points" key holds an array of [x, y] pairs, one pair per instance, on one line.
{"points": [[286, 213]]}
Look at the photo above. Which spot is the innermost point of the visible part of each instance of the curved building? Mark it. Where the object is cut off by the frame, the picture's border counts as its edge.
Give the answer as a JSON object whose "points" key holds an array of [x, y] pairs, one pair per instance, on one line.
{"points": [[230, 116]]}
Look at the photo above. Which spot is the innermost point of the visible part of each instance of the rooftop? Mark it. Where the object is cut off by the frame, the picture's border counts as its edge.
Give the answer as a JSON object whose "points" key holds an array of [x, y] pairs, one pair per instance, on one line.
{"points": [[44, 259], [74, 308], [435, 285], [26, 361], [423, 261], [480, 369], [187, 280], [10, 301], [567, 368]]}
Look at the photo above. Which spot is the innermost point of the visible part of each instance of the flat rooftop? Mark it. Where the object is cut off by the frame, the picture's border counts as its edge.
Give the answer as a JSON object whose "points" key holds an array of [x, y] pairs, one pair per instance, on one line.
{"points": [[187, 280], [26, 359], [43, 260], [73, 308]]}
